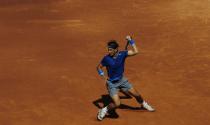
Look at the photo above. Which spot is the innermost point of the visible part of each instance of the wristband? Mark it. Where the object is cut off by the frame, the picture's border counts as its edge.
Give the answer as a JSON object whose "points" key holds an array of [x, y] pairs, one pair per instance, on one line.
{"points": [[132, 42], [100, 72]]}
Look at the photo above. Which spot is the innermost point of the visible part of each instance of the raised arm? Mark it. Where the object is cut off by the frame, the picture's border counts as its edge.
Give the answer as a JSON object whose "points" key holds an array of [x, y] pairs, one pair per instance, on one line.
{"points": [[134, 50]]}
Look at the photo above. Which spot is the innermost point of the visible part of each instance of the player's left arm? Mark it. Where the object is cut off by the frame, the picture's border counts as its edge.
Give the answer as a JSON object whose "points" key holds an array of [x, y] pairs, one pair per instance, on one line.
{"points": [[101, 72], [132, 43]]}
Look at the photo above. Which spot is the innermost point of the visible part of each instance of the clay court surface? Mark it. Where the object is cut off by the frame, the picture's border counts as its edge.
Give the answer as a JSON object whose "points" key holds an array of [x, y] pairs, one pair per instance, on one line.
{"points": [[49, 50]]}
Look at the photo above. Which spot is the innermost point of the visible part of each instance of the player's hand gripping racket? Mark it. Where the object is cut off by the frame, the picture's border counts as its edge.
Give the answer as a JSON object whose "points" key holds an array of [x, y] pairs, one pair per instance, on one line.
{"points": [[128, 38]]}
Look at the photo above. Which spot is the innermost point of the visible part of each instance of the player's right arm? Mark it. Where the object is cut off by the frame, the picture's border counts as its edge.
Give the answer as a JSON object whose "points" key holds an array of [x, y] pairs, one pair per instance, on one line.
{"points": [[134, 49]]}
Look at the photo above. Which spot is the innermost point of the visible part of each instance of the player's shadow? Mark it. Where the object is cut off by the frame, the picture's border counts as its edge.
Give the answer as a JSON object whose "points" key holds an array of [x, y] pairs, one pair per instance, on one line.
{"points": [[106, 99]]}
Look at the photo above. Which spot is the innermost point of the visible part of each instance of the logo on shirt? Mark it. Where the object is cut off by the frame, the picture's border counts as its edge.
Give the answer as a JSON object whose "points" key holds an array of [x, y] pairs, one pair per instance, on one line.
{"points": [[115, 57]]}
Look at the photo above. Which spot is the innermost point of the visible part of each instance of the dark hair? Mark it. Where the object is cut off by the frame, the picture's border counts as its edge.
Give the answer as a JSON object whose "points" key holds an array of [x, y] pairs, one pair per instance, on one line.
{"points": [[113, 44]]}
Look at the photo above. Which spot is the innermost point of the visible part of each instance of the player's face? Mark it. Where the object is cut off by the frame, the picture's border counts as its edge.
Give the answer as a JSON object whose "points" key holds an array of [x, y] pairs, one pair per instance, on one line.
{"points": [[112, 51]]}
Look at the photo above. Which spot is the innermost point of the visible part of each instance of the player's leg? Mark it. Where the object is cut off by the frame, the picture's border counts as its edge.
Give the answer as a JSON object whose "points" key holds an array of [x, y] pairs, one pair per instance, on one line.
{"points": [[139, 99], [126, 86], [113, 105], [133, 92], [126, 95], [116, 102], [113, 92]]}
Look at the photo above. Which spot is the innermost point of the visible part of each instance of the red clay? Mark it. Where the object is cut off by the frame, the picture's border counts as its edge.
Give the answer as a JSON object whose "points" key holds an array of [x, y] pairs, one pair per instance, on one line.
{"points": [[49, 52]]}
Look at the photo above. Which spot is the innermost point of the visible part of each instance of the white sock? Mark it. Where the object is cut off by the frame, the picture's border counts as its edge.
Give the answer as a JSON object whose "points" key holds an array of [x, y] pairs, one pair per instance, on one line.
{"points": [[105, 108]]}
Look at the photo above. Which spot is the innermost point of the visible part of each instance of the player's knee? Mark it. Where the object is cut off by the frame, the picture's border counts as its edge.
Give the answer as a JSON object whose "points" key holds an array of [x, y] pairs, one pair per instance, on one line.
{"points": [[116, 100], [117, 103]]}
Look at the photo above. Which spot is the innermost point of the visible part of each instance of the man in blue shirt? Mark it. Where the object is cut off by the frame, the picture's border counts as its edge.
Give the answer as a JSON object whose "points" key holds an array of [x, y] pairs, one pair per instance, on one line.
{"points": [[114, 62]]}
